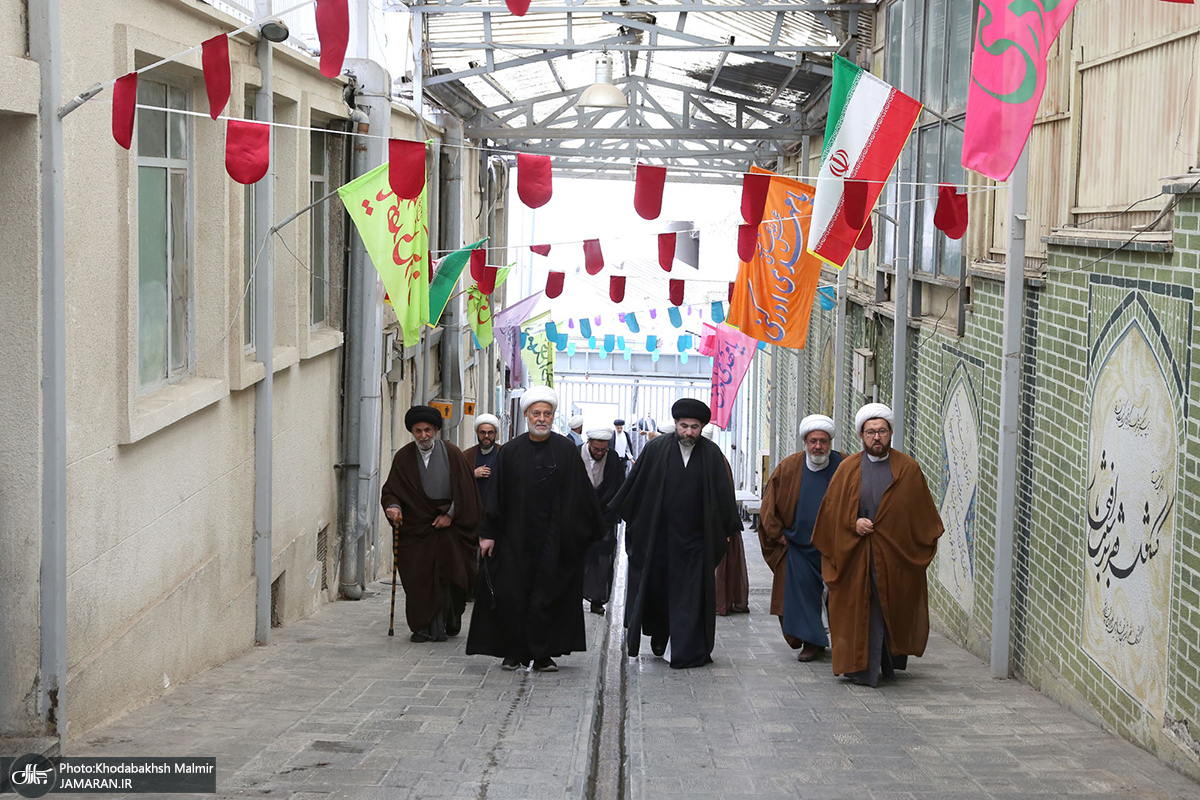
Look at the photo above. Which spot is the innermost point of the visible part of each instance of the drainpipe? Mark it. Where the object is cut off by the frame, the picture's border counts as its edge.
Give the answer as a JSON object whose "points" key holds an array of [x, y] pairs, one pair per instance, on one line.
{"points": [[1010, 402], [418, 40], [45, 48], [450, 235], [840, 412], [264, 346], [364, 346]]}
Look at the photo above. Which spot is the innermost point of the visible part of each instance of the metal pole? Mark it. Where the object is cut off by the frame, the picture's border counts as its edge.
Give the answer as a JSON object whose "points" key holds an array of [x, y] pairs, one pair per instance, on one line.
{"points": [[1010, 401], [264, 346], [839, 357], [418, 43], [45, 48]]}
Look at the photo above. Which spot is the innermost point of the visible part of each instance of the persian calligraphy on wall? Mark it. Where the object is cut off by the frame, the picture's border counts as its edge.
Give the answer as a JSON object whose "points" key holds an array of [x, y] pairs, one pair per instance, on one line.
{"points": [[1132, 472], [960, 490]]}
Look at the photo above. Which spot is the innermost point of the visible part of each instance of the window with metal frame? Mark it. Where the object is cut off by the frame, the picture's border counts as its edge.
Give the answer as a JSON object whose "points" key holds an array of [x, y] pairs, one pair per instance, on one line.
{"points": [[251, 246], [164, 224], [318, 184]]}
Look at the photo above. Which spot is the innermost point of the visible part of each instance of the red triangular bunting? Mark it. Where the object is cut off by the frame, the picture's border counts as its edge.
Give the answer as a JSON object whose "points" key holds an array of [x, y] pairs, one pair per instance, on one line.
{"points": [[487, 282], [214, 56], [123, 106], [854, 203], [593, 259], [517, 7], [865, 238], [333, 29], [478, 262], [554, 284], [648, 191], [534, 179], [747, 242], [406, 168], [247, 150], [540, 249], [754, 196], [432, 266], [676, 292], [951, 213], [616, 288], [666, 251], [731, 291]]}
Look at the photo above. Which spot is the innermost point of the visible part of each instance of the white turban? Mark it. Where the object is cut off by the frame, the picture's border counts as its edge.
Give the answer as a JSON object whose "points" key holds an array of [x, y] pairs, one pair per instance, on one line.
{"points": [[487, 419], [816, 422], [708, 431], [576, 422], [872, 411], [666, 427], [602, 434], [539, 394]]}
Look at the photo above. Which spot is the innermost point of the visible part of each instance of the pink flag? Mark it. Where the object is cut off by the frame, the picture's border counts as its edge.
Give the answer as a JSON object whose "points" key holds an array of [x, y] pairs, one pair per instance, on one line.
{"points": [[708, 339], [1008, 74], [734, 350]]}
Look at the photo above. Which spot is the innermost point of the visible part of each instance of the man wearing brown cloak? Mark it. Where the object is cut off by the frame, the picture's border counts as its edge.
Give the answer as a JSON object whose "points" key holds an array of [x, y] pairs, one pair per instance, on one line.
{"points": [[877, 531], [430, 496], [733, 577], [790, 504]]}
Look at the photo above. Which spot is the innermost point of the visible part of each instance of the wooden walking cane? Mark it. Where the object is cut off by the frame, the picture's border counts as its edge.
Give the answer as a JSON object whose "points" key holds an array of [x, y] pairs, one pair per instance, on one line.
{"points": [[395, 548]]}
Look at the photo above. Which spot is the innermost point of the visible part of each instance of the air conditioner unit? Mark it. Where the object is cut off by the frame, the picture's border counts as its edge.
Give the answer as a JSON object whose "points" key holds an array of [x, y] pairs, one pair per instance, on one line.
{"points": [[863, 379]]}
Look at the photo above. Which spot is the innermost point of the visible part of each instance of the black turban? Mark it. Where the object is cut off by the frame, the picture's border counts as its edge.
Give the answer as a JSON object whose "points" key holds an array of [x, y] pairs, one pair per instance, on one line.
{"points": [[422, 414], [687, 408], [618, 422]]}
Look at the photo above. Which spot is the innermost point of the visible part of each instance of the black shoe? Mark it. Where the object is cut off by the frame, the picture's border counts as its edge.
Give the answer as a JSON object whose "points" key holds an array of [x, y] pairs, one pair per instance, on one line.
{"points": [[658, 646], [510, 664], [598, 608], [419, 636], [545, 665]]}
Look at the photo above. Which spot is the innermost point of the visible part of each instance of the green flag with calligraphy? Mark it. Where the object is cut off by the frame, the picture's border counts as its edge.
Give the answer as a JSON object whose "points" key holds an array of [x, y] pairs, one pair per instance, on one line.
{"points": [[479, 311], [538, 351], [446, 278], [396, 235]]}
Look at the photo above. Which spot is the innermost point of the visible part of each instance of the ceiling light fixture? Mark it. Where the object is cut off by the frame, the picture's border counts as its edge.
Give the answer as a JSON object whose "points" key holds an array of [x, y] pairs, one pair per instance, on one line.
{"points": [[602, 93]]}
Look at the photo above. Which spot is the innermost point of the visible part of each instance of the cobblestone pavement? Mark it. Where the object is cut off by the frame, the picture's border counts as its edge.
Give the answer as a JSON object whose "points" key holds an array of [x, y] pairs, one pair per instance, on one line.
{"points": [[333, 708]]}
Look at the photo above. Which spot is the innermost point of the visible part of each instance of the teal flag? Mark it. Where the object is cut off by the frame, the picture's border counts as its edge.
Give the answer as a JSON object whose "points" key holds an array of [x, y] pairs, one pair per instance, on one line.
{"points": [[446, 278]]}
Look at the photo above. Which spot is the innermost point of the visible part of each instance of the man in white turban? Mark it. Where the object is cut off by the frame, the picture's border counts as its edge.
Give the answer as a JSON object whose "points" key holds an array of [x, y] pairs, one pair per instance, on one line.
{"points": [[482, 456], [576, 432], [541, 515], [877, 530], [790, 504], [606, 472]]}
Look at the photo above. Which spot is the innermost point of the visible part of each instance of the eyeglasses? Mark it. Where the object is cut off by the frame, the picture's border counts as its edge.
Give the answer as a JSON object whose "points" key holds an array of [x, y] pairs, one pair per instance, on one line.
{"points": [[876, 434]]}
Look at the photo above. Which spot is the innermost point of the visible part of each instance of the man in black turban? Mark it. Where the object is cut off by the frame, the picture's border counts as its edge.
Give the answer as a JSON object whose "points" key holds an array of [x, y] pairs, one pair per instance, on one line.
{"points": [[680, 510], [431, 498]]}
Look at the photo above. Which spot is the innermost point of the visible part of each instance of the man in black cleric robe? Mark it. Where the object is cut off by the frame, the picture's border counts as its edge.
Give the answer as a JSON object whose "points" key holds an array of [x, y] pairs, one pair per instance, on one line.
{"points": [[541, 515], [606, 473], [680, 515]]}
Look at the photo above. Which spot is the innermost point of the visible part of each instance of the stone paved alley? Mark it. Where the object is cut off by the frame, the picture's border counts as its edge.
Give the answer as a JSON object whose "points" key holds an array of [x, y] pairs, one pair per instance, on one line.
{"points": [[334, 708]]}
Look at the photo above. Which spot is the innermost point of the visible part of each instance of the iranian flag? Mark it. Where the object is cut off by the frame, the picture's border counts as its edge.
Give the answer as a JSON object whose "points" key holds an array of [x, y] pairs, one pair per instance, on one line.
{"points": [[869, 122]]}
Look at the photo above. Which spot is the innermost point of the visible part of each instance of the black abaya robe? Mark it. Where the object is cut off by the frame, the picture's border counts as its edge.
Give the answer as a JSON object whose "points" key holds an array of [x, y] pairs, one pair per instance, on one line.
{"points": [[678, 520], [542, 513], [601, 556]]}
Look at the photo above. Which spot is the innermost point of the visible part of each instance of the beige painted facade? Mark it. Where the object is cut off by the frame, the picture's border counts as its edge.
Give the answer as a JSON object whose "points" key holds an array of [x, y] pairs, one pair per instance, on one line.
{"points": [[160, 477]]}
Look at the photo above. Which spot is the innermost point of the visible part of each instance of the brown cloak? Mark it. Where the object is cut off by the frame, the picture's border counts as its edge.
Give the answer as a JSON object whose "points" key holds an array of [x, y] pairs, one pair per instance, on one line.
{"points": [[427, 557], [776, 515], [907, 528]]}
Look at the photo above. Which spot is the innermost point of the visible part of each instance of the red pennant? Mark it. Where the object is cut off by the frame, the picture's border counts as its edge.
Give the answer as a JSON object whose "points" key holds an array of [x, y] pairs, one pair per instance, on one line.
{"points": [[214, 57], [666, 251], [648, 191], [554, 284], [517, 7], [540, 249], [123, 106], [406, 168], [854, 203], [534, 179], [731, 291], [747, 242], [754, 196], [478, 263], [676, 292], [333, 29], [432, 266], [616, 288], [865, 238], [487, 282], [247, 150], [951, 213], [593, 259]]}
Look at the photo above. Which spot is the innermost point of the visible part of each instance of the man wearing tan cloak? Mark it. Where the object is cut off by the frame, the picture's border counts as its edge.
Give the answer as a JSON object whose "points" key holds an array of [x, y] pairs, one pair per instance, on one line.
{"points": [[877, 531]]}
